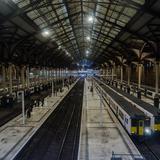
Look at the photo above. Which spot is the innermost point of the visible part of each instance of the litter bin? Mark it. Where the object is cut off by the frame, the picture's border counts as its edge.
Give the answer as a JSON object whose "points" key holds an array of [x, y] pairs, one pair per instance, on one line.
{"points": [[128, 89], [11, 101], [3, 101], [116, 84], [139, 94], [112, 83], [156, 101], [145, 92], [121, 86]]}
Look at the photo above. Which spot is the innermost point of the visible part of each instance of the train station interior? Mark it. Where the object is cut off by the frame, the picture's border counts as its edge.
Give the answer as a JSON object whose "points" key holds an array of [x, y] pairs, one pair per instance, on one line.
{"points": [[79, 79]]}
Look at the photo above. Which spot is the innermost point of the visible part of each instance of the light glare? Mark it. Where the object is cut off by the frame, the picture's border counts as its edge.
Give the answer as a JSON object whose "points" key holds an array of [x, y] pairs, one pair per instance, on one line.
{"points": [[88, 38], [90, 19], [87, 52], [45, 33]]}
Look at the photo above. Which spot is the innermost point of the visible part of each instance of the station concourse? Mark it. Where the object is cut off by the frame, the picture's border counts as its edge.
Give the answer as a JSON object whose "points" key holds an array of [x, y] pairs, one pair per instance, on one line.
{"points": [[79, 79]]}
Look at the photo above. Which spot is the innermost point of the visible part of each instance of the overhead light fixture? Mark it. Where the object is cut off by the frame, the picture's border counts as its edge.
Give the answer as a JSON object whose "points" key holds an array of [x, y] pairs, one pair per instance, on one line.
{"points": [[67, 53], [90, 19], [87, 52], [46, 33], [59, 47], [88, 38]]}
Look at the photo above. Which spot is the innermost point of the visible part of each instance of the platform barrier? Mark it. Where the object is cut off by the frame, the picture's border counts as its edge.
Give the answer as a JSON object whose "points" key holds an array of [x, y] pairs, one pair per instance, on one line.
{"points": [[126, 157]]}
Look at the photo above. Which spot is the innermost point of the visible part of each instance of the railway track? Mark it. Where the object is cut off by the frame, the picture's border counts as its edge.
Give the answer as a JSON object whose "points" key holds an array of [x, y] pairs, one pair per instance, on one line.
{"points": [[58, 137], [146, 150]]}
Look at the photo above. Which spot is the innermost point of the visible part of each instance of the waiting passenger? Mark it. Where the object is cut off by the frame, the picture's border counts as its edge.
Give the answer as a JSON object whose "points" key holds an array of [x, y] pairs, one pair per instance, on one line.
{"points": [[28, 112], [91, 90]]}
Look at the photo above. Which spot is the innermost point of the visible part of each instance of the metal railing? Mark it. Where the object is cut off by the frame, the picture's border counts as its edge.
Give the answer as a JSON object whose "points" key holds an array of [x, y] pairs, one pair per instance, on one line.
{"points": [[126, 157]]}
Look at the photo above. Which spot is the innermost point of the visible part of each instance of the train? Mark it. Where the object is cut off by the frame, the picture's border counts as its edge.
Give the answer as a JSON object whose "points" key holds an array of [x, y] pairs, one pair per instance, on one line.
{"points": [[136, 121]]}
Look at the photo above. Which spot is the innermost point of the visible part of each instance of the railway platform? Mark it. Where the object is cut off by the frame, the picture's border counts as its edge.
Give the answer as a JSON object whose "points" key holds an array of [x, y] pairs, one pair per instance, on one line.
{"points": [[143, 97], [14, 134], [102, 137], [146, 98]]}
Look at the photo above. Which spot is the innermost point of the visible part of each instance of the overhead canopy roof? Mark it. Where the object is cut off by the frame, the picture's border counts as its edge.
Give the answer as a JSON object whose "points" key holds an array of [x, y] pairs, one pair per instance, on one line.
{"points": [[64, 32]]}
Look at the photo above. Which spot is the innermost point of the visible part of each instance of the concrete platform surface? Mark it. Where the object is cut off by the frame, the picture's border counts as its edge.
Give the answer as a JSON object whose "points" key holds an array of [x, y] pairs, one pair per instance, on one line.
{"points": [[14, 135], [100, 135]]}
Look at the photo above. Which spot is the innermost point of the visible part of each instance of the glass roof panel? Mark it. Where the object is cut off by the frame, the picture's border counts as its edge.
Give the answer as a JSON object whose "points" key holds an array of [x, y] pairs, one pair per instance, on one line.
{"points": [[68, 20]]}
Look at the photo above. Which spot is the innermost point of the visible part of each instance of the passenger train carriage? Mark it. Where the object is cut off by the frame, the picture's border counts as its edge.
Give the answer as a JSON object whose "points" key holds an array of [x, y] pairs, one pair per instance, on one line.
{"points": [[133, 119], [146, 108]]}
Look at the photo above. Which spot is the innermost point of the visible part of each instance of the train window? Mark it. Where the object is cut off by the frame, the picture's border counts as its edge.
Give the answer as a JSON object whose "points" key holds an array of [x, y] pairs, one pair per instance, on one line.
{"points": [[140, 123], [147, 122], [134, 122], [121, 114], [157, 120]]}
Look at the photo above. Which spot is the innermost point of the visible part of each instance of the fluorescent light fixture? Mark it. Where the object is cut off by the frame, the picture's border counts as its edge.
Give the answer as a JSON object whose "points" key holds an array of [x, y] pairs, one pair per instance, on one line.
{"points": [[88, 38], [46, 33], [87, 52], [90, 19]]}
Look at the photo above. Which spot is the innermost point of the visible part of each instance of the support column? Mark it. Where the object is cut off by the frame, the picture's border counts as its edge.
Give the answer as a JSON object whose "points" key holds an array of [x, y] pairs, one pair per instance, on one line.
{"points": [[50, 74], [62, 77], [40, 75], [156, 97], [23, 76], [106, 72], [62, 72], [10, 78], [59, 73], [112, 70], [121, 73], [157, 77], [56, 73], [44, 76], [27, 77], [129, 74], [139, 75], [48, 70], [3, 76], [66, 73]]}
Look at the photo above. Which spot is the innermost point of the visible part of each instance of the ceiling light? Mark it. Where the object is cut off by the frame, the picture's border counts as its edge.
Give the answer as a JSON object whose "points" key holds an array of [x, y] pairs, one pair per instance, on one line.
{"points": [[46, 33], [90, 19], [87, 52], [88, 38]]}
